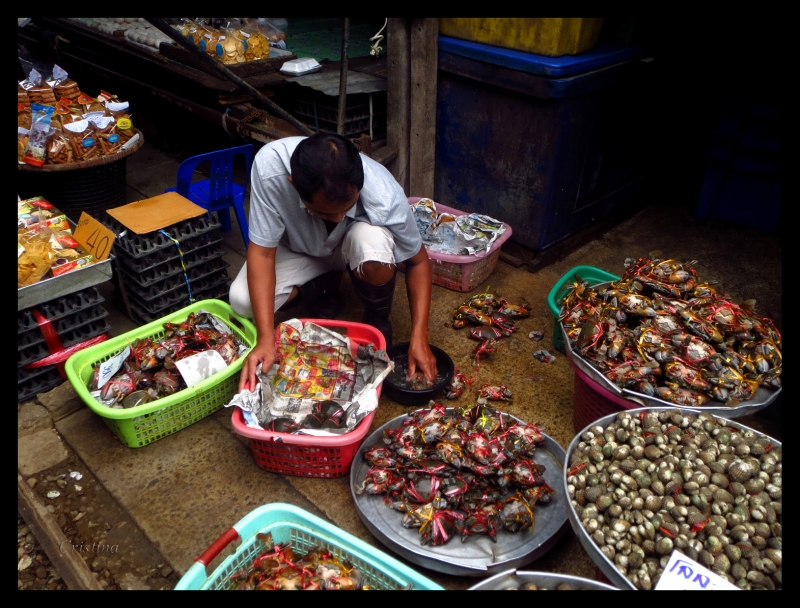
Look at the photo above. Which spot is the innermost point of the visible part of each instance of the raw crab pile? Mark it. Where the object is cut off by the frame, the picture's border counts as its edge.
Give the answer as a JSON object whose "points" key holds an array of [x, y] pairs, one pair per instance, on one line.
{"points": [[279, 568], [662, 332], [467, 471], [494, 318], [149, 372]]}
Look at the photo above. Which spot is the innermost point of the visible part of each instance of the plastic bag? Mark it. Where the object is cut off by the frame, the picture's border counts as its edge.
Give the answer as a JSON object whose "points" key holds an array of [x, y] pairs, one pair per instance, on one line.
{"points": [[275, 35], [36, 255], [38, 90], [63, 86], [36, 149]]}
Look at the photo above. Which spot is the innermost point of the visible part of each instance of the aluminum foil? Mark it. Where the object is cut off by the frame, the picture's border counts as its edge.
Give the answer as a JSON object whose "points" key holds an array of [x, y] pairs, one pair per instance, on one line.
{"points": [[466, 234]]}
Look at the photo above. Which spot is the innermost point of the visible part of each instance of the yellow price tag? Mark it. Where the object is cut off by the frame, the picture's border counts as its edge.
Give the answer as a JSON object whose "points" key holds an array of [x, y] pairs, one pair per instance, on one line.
{"points": [[94, 237]]}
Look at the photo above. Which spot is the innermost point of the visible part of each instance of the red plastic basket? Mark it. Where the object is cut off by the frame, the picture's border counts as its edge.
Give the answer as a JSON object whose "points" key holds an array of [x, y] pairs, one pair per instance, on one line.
{"points": [[592, 401], [306, 455]]}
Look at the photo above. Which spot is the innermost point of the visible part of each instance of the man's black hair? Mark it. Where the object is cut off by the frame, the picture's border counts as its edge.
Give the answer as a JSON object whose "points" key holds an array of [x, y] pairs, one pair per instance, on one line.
{"points": [[327, 162]]}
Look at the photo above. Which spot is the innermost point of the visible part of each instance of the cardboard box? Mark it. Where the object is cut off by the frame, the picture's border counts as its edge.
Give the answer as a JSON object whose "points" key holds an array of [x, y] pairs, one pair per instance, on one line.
{"points": [[157, 212]]}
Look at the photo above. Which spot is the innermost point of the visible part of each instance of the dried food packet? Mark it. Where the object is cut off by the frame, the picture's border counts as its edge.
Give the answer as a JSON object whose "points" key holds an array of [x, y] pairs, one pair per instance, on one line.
{"points": [[35, 256], [36, 149], [231, 47], [275, 35], [63, 85], [24, 116], [59, 150], [38, 90], [22, 142]]}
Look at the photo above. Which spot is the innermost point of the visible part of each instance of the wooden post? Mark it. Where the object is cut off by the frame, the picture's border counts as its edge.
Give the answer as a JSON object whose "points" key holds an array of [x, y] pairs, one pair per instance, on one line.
{"points": [[398, 97], [424, 71]]}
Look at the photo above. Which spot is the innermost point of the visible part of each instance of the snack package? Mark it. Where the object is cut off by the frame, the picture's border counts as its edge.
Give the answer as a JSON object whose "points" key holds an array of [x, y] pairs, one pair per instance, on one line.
{"points": [[275, 35], [22, 97], [59, 150], [257, 45], [89, 104], [38, 90], [35, 257], [37, 210], [63, 85], [36, 149], [209, 39], [22, 142], [24, 116], [231, 47], [69, 255]]}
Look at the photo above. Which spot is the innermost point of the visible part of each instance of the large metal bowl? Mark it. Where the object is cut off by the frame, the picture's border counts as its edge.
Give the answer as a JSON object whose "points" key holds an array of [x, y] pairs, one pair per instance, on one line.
{"points": [[607, 567], [515, 579], [478, 556], [762, 398]]}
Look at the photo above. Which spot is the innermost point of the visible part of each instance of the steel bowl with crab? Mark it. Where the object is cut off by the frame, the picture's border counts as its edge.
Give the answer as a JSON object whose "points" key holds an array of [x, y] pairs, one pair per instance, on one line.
{"points": [[428, 509]]}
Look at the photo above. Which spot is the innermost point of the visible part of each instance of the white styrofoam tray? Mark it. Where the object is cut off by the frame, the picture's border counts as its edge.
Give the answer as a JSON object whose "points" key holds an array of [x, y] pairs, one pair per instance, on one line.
{"points": [[300, 66]]}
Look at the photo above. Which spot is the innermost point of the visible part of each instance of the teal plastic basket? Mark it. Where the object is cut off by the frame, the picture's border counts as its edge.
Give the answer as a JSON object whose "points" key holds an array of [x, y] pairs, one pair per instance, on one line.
{"points": [[579, 273], [302, 531]]}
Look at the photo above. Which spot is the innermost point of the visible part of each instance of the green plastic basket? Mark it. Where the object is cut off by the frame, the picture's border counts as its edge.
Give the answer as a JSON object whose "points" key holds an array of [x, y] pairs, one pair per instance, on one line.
{"points": [[301, 531], [144, 424], [583, 273]]}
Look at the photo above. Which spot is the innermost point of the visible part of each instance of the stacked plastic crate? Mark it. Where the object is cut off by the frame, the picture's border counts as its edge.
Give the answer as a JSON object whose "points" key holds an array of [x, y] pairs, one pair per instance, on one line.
{"points": [[76, 318], [165, 270]]}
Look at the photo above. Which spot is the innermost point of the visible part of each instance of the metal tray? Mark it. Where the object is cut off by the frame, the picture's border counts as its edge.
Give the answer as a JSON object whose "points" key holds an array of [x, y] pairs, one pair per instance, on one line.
{"points": [[515, 579], [55, 287], [608, 567], [479, 555], [762, 398]]}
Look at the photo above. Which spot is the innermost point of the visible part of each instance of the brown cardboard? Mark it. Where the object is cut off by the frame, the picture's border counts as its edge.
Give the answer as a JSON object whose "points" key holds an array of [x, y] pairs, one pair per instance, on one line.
{"points": [[155, 213]]}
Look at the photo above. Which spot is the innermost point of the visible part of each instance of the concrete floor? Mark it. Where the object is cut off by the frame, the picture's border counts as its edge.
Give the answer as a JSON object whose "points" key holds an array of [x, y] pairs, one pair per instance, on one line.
{"points": [[185, 490]]}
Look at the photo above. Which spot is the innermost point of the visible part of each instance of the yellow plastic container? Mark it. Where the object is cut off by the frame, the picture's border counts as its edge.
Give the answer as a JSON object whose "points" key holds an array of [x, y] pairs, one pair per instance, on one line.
{"points": [[551, 36]]}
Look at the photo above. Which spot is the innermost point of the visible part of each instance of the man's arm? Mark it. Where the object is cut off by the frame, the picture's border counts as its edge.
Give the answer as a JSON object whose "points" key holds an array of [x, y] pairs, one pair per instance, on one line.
{"points": [[261, 284], [418, 287]]}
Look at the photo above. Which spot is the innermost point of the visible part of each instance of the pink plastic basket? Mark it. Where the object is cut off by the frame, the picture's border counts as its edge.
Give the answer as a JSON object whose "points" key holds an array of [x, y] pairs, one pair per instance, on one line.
{"points": [[592, 401], [461, 272], [306, 455]]}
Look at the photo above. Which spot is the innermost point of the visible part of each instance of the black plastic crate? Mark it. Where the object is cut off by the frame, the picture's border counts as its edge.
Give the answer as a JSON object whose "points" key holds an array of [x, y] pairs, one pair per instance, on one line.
{"points": [[63, 325], [39, 351], [58, 308], [141, 245], [161, 274], [157, 304], [46, 378], [195, 250], [142, 316]]}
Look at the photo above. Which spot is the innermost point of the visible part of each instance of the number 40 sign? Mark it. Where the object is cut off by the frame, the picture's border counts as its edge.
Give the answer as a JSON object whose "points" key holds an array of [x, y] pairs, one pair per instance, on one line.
{"points": [[94, 237]]}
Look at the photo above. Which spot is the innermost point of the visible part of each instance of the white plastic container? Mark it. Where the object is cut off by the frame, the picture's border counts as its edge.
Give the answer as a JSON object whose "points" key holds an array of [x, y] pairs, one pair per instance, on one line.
{"points": [[300, 66]]}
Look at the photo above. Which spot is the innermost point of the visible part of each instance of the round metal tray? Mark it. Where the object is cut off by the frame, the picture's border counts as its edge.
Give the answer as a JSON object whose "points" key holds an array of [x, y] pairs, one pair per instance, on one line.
{"points": [[607, 567], [478, 555], [515, 579], [762, 398]]}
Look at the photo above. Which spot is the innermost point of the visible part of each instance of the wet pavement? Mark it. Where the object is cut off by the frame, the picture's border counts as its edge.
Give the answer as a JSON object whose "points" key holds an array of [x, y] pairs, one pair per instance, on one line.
{"points": [[183, 491]]}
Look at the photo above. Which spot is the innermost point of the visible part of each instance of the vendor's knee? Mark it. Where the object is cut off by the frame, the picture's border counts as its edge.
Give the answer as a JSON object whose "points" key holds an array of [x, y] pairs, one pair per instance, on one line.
{"points": [[240, 303], [376, 273]]}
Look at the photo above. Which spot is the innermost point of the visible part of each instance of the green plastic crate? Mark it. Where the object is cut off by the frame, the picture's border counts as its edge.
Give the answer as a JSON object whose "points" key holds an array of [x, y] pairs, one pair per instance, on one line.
{"points": [[144, 424], [586, 273], [301, 531]]}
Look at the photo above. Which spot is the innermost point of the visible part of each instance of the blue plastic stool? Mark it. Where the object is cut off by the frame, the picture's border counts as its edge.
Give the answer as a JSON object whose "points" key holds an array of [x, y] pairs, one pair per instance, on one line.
{"points": [[219, 192]]}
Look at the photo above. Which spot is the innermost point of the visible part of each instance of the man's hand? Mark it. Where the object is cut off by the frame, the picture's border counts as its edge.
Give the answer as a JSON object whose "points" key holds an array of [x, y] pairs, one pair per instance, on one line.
{"points": [[263, 353], [420, 355]]}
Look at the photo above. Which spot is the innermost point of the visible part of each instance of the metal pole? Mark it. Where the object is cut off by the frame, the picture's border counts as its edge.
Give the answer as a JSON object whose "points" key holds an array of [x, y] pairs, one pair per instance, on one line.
{"points": [[262, 100], [343, 77]]}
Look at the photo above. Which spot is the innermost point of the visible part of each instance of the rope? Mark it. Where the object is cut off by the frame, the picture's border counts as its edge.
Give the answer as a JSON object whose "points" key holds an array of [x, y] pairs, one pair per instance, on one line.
{"points": [[180, 253], [376, 49]]}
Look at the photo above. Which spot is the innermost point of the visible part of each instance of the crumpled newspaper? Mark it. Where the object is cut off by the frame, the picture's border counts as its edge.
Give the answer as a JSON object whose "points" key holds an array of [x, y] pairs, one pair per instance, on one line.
{"points": [[315, 364], [466, 234]]}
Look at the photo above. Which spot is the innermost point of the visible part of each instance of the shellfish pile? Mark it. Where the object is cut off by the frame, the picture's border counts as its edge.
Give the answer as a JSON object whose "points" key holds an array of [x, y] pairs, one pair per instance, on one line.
{"points": [[656, 481], [467, 471], [661, 332]]}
